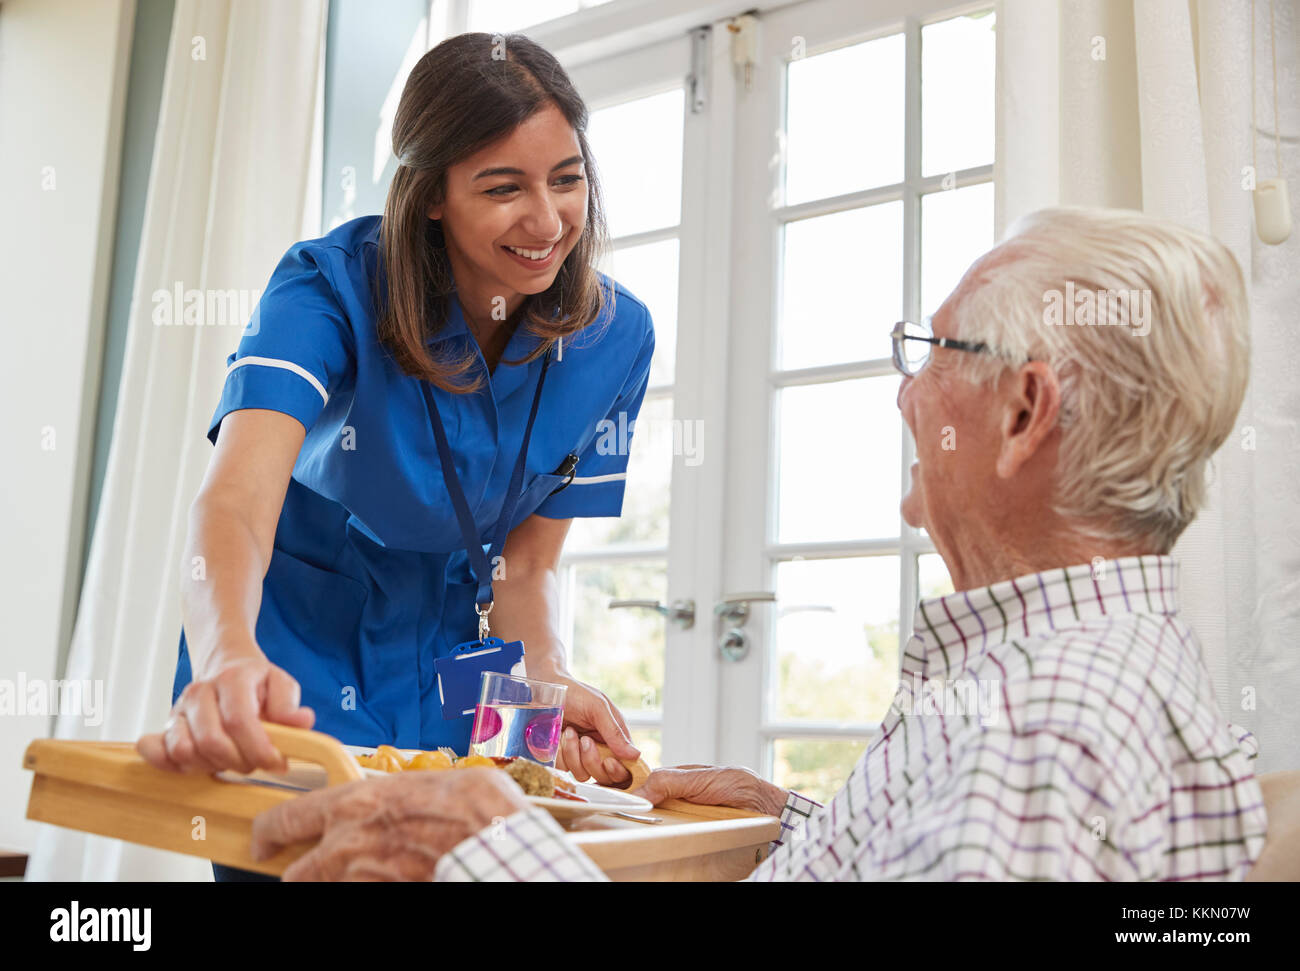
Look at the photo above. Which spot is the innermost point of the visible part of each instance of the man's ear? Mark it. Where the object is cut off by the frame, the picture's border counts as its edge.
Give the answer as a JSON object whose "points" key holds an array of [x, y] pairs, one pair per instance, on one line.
{"points": [[1031, 403]]}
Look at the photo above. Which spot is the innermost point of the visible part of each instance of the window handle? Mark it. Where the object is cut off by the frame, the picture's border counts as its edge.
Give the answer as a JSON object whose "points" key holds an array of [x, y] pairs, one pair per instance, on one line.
{"points": [[680, 611], [807, 608], [734, 607]]}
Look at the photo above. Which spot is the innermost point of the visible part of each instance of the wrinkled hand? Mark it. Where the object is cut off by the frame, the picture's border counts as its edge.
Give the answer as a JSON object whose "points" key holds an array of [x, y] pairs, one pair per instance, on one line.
{"points": [[396, 828], [709, 785], [590, 717], [216, 722]]}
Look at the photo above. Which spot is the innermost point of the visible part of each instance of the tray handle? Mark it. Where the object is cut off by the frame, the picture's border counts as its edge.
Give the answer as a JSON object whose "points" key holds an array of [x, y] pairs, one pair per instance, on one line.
{"points": [[640, 771], [302, 743]]}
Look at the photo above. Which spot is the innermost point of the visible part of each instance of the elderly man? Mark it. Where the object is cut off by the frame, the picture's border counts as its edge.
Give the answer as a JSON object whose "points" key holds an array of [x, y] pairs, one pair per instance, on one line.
{"points": [[1065, 407]]}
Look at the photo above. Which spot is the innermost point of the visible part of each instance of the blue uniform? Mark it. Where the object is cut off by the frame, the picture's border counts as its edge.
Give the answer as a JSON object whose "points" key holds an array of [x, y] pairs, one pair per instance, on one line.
{"points": [[369, 582]]}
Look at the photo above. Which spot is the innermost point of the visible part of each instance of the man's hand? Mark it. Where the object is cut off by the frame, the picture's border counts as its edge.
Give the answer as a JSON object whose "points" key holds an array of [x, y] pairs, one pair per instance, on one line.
{"points": [[386, 829], [714, 786]]}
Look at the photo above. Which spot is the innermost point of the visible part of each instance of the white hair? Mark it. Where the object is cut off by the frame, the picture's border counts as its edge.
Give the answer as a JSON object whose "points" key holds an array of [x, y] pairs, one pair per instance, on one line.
{"points": [[1146, 398]]}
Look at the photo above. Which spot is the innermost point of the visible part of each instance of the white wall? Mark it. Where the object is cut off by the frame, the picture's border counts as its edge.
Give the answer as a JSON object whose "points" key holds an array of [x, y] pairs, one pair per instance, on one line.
{"points": [[63, 70]]}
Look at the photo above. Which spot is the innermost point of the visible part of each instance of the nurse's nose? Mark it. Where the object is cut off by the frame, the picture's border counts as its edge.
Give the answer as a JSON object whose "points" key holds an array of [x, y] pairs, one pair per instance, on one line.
{"points": [[542, 221]]}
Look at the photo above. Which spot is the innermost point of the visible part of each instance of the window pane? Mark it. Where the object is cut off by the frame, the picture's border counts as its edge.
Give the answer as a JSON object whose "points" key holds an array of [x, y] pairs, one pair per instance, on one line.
{"points": [[815, 767], [844, 120], [650, 272], [621, 652], [839, 450], [503, 16], [824, 320], [957, 58], [956, 227], [932, 576], [842, 664], [649, 476], [638, 154]]}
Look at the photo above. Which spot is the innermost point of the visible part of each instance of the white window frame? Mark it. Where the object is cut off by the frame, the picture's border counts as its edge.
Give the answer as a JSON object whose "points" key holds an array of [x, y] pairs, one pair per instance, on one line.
{"points": [[747, 733]]}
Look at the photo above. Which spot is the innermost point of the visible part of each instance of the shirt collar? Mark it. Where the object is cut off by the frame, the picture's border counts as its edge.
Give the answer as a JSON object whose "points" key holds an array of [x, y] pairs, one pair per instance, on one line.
{"points": [[950, 631], [454, 325], [522, 342], [508, 378]]}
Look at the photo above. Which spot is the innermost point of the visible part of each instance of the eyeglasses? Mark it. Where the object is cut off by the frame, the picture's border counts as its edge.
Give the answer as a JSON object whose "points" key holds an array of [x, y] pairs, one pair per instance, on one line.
{"points": [[912, 343]]}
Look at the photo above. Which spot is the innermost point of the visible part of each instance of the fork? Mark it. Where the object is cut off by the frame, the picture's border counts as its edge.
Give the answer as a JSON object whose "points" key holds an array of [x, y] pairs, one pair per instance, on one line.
{"points": [[639, 819]]}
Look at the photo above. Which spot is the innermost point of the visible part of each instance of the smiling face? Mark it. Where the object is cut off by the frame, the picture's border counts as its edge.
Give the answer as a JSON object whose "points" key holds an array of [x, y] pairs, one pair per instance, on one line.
{"points": [[513, 211]]}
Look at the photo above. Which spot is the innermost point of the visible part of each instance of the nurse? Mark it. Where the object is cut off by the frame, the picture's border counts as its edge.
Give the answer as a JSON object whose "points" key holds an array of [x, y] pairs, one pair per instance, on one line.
{"points": [[447, 369]]}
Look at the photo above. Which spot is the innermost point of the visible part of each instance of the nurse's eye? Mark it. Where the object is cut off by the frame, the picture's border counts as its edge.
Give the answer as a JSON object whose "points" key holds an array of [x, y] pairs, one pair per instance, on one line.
{"points": [[502, 190], [568, 181]]}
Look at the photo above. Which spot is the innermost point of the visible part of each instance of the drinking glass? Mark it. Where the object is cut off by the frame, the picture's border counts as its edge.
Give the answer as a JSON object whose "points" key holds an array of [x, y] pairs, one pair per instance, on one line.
{"points": [[518, 717]]}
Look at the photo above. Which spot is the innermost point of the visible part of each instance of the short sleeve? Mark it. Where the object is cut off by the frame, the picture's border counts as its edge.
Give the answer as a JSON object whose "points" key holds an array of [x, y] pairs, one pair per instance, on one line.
{"points": [[597, 488], [296, 350]]}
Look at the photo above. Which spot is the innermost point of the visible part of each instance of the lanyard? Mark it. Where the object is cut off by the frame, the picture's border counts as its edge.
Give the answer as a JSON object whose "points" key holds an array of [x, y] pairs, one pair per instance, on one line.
{"points": [[480, 561]]}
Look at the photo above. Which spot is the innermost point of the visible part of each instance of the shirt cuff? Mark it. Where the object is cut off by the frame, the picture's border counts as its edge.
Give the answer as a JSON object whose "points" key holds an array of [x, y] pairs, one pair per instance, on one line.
{"points": [[527, 846], [261, 382], [1246, 741], [794, 817], [587, 496]]}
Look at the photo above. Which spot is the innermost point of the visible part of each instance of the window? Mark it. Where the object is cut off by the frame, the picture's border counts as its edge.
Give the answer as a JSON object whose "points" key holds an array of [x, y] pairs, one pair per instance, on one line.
{"points": [[882, 198]]}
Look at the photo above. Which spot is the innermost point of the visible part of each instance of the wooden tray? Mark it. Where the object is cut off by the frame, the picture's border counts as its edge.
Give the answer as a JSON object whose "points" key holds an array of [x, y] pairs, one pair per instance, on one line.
{"points": [[106, 788]]}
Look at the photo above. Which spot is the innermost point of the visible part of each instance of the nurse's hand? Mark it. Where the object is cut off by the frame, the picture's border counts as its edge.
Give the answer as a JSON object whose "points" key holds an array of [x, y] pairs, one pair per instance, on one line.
{"points": [[215, 724], [590, 717], [396, 828]]}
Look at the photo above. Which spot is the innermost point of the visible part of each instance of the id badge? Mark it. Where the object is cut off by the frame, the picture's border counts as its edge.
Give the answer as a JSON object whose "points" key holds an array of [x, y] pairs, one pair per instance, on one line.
{"points": [[459, 672]]}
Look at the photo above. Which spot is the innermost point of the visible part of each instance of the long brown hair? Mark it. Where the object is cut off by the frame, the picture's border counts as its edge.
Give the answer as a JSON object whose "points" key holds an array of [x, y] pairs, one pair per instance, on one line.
{"points": [[461, 96]]}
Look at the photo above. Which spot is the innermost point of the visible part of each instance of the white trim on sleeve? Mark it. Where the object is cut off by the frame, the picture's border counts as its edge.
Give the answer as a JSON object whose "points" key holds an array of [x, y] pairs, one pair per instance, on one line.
{"points": [[288, 366], [595, 479]]}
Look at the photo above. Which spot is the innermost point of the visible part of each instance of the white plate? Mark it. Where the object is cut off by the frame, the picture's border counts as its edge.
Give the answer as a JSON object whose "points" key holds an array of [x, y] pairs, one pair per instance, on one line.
{"points": [[599, 799]]}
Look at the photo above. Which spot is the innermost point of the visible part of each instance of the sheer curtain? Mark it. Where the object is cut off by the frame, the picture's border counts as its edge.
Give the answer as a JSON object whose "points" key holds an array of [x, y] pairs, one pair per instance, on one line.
{"points": [[1146, 104], [227, 193]]}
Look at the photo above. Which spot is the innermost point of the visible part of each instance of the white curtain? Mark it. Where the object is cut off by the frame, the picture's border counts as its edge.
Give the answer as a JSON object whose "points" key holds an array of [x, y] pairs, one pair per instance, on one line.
{"points": [[1146, 104], [227, 195]]}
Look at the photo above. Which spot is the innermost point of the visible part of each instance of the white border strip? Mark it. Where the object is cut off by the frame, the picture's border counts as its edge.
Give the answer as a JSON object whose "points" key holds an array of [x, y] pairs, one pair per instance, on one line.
{"points": [[595, 479], [288, 366]]}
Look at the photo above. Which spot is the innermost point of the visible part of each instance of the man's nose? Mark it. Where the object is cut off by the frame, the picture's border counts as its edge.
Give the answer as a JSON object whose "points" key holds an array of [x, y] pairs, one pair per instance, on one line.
{"points": [[903, 385]]}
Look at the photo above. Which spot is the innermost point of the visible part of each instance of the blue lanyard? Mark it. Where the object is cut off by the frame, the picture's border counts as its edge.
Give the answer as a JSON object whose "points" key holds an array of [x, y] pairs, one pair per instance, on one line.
{"points": [[480, 561]]}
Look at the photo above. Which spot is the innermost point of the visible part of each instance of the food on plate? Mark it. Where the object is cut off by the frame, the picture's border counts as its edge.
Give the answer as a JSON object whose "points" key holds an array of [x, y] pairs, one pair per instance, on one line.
{"points": [[571, 796], [430, 760], [385, 759], [532, 777]]}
